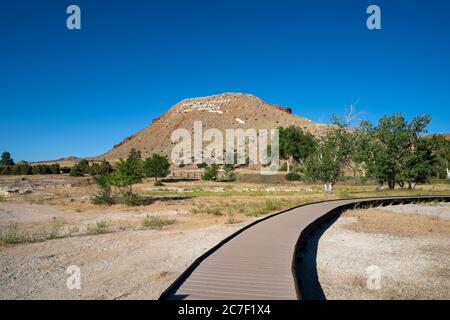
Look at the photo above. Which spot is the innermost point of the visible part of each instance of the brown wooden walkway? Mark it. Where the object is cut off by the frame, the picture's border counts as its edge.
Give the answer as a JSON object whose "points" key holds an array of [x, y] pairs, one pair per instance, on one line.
{"points": [[257, 262]]}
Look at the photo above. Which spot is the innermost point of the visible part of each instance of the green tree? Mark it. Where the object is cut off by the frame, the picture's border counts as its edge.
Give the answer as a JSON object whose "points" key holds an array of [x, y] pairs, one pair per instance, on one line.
{"points": [[441, 149], [331, 156], [390, 151], [418, 165], [6, 159], [127, 173], [156, 166], [295, 145]]}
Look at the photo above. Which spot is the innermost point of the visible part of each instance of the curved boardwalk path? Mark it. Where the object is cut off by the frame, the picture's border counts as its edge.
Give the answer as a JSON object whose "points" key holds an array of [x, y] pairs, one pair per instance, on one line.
{"points": [[258, 262]]}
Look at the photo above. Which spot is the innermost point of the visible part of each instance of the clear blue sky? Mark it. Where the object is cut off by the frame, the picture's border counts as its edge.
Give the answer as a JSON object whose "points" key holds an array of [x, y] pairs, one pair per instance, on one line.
{"points": [[79, 92]]}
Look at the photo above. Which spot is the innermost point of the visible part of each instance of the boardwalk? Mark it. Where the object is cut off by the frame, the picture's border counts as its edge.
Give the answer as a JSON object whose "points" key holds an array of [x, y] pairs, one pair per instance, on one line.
{"points": [[257, 263]]}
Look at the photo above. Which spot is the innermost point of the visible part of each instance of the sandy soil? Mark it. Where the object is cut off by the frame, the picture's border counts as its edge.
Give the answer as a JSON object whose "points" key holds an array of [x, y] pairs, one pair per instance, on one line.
{"points": [[123, 265], [408, 245]]}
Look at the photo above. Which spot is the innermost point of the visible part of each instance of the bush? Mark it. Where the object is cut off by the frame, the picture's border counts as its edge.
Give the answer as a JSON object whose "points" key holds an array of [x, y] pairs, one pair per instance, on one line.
{"points": [[156, 222], [211, 172], [215, 211], [229, 172], [105, 194], [65, 170], [83, 165], [12, 235], [293, 176], [75, 171], [132, 199], [283, 167], [100, 227]]}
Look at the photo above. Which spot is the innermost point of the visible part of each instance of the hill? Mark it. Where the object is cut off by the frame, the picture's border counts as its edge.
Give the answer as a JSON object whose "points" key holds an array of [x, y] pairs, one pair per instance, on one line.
{"points": [[222, 111]]}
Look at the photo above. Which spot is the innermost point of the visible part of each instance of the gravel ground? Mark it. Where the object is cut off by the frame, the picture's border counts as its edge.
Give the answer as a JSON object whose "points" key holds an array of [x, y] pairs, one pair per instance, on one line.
{"points": [[359, 246]]}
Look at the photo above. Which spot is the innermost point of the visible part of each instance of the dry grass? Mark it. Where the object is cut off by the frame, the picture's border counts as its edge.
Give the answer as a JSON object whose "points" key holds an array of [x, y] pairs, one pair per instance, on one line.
{"points": [[156, 222], [377, 220]]}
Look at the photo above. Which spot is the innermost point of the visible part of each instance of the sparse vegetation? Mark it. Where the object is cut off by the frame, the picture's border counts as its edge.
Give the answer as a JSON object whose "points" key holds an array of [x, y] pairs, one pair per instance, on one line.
{"points": [[12, 235], [55, 232], [100, 227], [231, 218], [156, 222], [215, 211]]}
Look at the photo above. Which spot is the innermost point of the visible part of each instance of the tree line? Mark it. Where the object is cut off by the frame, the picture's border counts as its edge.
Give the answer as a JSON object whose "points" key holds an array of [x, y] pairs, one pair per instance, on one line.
{"points": [[391, 152], [83, 167]]}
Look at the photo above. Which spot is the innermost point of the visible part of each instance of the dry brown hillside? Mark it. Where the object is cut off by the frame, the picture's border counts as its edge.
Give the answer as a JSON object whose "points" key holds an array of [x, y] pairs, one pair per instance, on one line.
{"points": [[222, 111]]}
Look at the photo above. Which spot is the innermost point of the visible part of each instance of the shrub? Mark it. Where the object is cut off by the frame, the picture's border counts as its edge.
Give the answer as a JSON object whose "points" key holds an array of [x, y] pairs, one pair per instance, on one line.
{"points": [[132, 199], [75, 171], [292, 176], [56, 228], [272, 205], [283, 167], [105, 194], [215, 211], [12, 235], [211, 172], [83, 165], [65, 169], [99, 227], [229, 172], [156, 222]]}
